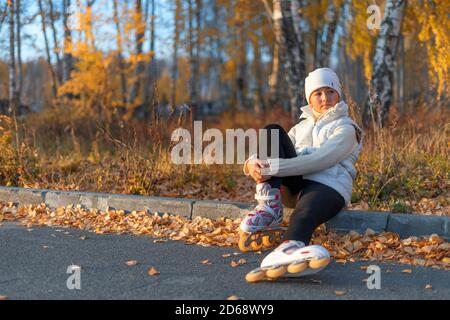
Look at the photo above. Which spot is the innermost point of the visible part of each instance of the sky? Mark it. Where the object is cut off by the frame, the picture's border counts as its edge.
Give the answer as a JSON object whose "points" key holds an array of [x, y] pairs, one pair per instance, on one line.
{"points": [[33, 45]]}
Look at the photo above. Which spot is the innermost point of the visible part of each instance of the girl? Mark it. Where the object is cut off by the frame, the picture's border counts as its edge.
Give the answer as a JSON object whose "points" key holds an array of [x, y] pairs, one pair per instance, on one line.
{"points": [[314, 170]]}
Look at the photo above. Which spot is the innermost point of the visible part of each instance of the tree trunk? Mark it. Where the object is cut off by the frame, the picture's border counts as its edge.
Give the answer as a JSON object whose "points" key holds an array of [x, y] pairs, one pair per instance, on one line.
{"points": [[4, 13], [274, 88], [56, 49], [287, 33], [123, 80], [67, 58], [330, 29], [383, 64], [19, 55], [140, 29], [258, 93], [241, 74], [176, 39], [193, 81], [151, 70], [47, 49], [196, 66], [13, 100]]}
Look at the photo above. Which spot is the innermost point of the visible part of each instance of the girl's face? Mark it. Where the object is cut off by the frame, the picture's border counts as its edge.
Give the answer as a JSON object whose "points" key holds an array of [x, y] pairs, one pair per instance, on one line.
{"points": [[323, 99]]}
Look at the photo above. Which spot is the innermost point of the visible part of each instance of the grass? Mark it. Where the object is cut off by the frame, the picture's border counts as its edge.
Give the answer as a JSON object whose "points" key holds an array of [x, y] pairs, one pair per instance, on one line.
{"points": [[402, 168]]}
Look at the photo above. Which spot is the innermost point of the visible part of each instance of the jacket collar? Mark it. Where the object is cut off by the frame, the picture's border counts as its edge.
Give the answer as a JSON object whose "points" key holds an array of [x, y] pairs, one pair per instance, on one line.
{"points": [[339, 110]]}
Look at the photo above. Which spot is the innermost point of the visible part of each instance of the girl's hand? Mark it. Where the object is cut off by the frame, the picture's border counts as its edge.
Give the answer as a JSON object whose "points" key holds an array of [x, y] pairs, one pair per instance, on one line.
{"points": [[254, 169]]}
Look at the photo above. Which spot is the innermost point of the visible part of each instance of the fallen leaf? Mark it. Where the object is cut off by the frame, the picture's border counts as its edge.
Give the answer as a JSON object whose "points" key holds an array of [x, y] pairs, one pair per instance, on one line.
{"points": [[3, 298], [446, 260], [339, 293], [131, 263], [233, 297], [406, 271], [369, 232], [83, 238], [206, 262], [152, 271], [428, 286], [436, 239], [226, 255], [159, 240]]}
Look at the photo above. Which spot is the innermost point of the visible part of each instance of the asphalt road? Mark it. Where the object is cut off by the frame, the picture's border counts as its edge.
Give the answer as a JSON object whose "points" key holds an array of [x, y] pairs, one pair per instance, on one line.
{"points": [[34, 263]]}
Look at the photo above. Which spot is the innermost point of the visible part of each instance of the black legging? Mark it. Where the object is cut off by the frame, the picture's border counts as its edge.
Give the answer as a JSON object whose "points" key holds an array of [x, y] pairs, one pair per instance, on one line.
{"points": [[317, 203]]}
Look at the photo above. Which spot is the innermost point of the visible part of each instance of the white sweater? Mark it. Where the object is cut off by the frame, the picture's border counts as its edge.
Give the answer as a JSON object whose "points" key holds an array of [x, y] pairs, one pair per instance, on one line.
{"points": [[326, 148]]}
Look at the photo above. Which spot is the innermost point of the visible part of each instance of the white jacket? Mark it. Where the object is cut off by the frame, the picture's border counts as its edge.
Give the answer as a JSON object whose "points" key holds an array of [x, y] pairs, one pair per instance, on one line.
{"points": [[327, 150]]}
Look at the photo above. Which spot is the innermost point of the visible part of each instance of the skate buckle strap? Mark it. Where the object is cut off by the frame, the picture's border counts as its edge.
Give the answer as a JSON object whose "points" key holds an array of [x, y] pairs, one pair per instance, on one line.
{"points": [[265, 197]]}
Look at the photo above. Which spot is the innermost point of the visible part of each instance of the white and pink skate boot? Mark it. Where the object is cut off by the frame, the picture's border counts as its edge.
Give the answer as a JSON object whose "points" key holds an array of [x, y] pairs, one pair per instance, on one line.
{"points": [[261, 227], [292, 259]]}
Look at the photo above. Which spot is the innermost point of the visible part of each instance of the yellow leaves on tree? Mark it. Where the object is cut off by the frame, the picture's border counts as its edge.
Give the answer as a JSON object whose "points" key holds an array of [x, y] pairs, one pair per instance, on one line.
{"points": [[361, 41], [94, 82], [432, 17]]}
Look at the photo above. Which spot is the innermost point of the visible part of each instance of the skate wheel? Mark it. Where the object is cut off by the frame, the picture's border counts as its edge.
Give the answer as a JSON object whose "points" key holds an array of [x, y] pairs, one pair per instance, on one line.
{"points": [[297, 267], [255, 275], [257, 246], [276, 272], [244, 244], [316, 264], [267, 241]]}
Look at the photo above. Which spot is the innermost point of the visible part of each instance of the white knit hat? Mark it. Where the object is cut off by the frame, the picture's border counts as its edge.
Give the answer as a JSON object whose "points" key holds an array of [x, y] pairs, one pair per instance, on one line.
{"points": [[322, 77]]}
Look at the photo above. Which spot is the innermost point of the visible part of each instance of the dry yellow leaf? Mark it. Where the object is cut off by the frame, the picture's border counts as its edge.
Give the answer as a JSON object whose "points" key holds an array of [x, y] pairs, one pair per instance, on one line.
{"points": [[233, 297], [446, 260], [152, 271], [406, 271], [226, 255], [83, 238], [339, 292], [206, 262], [434, 238], [3, 298], [131, 263], [428, 286]]}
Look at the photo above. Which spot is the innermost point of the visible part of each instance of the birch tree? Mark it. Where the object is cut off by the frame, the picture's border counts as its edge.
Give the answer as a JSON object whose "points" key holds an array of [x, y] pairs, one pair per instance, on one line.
{"points": [[286, 22], [19, 53], [139, 41], [176, 39], [123, 81], [13, 99], [325, 40], [47, 49], [150, 74], [56, 48], [379, 100], [67, 57], [193, 58]]}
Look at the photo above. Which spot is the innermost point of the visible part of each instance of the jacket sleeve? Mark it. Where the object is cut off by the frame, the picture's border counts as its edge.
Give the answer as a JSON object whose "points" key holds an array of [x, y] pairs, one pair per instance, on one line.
{"points": [[338, 147]]}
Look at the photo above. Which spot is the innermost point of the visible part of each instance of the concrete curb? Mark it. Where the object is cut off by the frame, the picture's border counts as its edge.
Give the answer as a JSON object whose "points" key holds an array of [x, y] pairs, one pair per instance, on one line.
{"points": [[404, 224]]}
